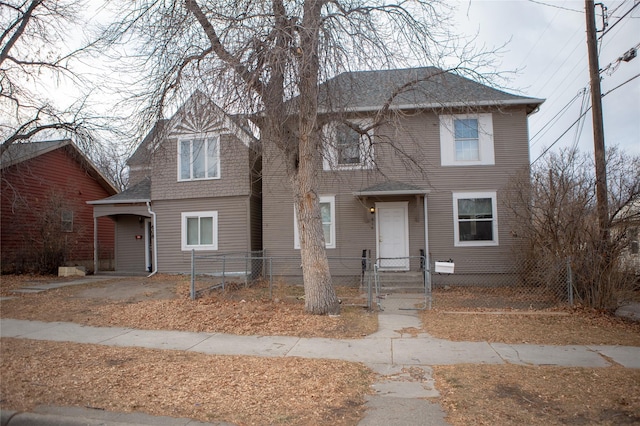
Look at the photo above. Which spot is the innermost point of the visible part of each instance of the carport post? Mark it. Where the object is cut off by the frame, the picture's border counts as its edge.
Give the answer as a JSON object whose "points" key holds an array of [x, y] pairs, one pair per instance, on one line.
{"points": [[95, 245]]}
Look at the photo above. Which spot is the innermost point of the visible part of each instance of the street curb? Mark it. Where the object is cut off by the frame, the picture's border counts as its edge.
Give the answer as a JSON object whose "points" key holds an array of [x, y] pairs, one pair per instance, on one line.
{"points": [[76, 416], [5, 416]]}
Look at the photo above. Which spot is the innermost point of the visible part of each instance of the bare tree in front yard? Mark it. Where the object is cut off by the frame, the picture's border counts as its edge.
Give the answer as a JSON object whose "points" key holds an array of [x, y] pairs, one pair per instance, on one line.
{"points": [[255, 56], [555, 216]]}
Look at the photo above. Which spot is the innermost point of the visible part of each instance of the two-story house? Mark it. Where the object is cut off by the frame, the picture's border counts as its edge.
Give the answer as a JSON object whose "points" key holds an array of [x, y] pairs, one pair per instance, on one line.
{"points": [[428, 175], [195, 185]]}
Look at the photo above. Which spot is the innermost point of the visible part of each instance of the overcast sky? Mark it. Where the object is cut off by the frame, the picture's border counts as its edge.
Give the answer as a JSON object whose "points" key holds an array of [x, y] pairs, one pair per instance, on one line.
{"points": [[548, 45]]}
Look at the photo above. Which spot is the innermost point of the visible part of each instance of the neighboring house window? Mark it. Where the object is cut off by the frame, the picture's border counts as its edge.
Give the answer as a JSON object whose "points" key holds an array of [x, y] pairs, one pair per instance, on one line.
{"points": [[346, 148], [66, 221], [475, 219], [466, 140], [198, 158], [200, 230], [328, 214]]}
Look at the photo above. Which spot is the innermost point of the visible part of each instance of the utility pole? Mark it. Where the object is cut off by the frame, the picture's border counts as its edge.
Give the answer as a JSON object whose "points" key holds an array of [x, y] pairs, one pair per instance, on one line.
{"points": [[598, 125]]}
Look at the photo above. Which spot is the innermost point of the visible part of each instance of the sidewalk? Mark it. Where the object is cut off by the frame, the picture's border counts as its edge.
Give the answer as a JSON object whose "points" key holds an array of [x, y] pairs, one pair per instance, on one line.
{"points": [[398, 399]]}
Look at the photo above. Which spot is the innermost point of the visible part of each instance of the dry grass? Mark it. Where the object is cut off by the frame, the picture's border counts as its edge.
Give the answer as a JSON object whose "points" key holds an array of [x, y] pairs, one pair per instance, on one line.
{"points": [[570, 327], [518, 395], [162, 303], [248, 390], [239, 389]]}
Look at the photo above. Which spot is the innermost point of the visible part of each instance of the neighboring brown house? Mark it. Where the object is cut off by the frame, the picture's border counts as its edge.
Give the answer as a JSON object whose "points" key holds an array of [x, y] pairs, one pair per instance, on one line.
{"points": [[431, 179], [195, 185], [46, 222]]}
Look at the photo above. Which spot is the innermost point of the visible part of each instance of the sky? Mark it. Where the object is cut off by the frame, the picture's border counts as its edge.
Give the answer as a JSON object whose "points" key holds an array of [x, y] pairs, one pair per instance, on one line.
{"points": [[547, 45]]}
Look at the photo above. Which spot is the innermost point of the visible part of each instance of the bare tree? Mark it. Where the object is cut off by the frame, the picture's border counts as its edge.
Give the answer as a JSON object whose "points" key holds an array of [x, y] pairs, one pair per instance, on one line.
{"points": [[555, 215], [268, 58], [33, 57]]}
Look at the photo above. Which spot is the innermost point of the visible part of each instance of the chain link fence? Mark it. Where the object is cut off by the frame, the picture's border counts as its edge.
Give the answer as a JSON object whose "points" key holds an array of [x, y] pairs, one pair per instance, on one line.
{"points": [[397, 284], [217, 271], [520, 284]]}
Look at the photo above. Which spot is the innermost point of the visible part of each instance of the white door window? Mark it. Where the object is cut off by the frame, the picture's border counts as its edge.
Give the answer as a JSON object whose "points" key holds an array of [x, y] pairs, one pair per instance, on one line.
{"points": [[393, 235]]}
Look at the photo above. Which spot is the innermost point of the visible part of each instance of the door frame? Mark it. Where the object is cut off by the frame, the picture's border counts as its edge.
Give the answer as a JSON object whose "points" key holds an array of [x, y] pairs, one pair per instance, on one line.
{"points": [[395, 204]]}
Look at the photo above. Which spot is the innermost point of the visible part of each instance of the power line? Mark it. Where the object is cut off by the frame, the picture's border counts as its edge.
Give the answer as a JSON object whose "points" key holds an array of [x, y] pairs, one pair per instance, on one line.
{"points": [[556, 117], [622, 84], [555, 6], [579, 118], [618, 21]]}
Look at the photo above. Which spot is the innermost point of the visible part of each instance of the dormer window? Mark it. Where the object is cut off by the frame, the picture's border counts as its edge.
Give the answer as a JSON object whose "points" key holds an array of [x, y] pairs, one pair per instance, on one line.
{"points": [[199, 158], [346, 148]]}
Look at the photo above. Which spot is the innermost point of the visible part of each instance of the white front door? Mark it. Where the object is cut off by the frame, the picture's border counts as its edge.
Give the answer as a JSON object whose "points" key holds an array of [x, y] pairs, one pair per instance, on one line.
{"points": [[393, 235]]}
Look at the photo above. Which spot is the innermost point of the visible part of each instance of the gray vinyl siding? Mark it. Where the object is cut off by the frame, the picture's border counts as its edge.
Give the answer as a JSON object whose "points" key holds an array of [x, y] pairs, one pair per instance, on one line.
{"points": [[233, 229], [130, 252], [234, 173], [418, 164]]}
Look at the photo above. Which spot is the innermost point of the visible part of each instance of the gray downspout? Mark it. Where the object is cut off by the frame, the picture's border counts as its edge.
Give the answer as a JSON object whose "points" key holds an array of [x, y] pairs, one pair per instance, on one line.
{"points": [[155, 241]]}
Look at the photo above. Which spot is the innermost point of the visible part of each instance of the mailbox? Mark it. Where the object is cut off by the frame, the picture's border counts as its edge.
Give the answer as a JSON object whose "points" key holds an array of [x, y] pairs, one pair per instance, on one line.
{"points": [[445, 267]]}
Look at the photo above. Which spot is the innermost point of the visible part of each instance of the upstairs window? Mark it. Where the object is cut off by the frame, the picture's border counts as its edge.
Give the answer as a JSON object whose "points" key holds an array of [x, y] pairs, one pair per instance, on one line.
{"points": [[346, 148], [198, 158], [475, 219], [466, 140], [467, 145]]}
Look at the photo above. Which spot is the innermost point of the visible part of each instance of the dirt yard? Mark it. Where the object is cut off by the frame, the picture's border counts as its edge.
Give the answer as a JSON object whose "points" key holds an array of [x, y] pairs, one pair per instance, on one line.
{"points": [[296, 391]]}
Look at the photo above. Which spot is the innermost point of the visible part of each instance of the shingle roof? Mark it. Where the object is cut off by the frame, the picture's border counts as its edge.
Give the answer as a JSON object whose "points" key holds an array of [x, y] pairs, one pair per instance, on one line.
{"points": [[426, 87], [141, 156], [391, 187], [19, 152], [138, 193]]}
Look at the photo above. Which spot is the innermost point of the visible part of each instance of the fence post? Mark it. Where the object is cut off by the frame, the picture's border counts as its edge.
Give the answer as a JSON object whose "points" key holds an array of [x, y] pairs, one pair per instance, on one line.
{"points": [[569, 282], [369, 286], [193, 274], [224, 259], [270, 279], [246, 268]]}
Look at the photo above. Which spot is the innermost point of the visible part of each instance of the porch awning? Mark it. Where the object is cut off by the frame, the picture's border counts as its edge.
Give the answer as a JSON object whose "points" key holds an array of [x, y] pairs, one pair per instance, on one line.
{"points": [[130, 201], [391, 188]]}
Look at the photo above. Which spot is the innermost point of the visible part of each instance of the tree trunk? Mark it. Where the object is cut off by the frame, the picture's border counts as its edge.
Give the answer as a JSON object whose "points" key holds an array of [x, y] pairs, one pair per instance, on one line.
{"points": [[320, 297]]}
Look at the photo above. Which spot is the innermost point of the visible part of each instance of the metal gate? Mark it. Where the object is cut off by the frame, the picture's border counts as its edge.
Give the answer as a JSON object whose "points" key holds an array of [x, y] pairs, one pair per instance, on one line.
{"points": [[401, 290]]}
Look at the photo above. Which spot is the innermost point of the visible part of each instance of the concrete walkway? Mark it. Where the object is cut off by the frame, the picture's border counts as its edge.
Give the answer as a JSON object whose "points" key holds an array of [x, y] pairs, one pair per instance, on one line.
{"points": [[400, 397]]}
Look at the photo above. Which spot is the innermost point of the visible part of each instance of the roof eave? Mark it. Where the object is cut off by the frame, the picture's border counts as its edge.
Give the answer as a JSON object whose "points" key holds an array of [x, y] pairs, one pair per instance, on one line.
{"points": [[106, 201], [397, 192], [534, 102]]}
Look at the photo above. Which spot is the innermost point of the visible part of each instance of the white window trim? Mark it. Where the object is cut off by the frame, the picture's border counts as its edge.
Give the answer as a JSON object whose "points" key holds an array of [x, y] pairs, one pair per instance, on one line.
{"points": [[486, 152], [331, 199], [207, 137], [494, 211], [330, 160], [214, 216]]}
